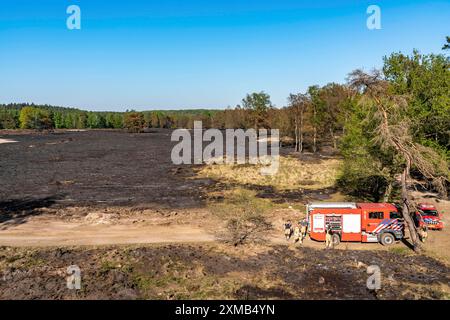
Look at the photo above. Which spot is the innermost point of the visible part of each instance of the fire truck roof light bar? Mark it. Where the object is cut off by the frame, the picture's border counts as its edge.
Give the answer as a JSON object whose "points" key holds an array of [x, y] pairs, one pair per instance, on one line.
{"points": [[332, 205]]}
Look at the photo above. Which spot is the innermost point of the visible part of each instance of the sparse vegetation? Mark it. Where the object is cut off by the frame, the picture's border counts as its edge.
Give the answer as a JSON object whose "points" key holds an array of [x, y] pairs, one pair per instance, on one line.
{"points": [[244, 216], [134, 122], [400, 250], [218, 272], [293, 174]]}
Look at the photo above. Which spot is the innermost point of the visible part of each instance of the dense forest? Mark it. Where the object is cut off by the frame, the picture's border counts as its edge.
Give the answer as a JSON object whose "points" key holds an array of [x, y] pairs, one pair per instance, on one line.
{"points": [[378, 121], [45, 117]]}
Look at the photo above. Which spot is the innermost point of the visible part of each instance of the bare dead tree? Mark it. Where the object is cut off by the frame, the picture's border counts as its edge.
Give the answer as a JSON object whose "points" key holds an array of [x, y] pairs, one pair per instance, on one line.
{"points": [[298, 103], [314, 107], [393, 132], [244, 229]]}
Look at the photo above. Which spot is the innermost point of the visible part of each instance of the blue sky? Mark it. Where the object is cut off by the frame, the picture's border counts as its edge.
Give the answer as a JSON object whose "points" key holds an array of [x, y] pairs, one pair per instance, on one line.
{"points": [[175, 54]]}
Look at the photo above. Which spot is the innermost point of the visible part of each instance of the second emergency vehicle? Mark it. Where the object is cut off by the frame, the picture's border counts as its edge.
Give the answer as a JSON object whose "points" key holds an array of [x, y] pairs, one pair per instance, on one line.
{"points": [[428, 216]]}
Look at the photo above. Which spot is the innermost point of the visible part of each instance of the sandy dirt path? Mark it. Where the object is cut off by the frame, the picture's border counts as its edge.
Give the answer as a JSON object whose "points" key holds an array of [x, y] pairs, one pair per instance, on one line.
{"points": [[47, 231], [39, 233], [43, 232], [6, 141]]}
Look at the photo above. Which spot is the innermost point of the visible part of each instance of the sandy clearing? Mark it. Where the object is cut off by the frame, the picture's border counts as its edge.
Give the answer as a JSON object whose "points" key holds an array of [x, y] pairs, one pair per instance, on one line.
{"points": [[44, 232], [48, 232], [94, 229], [7, 141], [62, 233]]}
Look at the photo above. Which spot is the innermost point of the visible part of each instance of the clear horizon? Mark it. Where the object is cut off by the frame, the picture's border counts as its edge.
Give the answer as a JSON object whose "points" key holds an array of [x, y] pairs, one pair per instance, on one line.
{"points": [[172, 55]]}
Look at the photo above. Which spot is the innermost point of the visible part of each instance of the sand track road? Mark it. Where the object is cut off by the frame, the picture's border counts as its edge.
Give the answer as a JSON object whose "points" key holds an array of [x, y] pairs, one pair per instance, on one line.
{"points": [[44, 231]]}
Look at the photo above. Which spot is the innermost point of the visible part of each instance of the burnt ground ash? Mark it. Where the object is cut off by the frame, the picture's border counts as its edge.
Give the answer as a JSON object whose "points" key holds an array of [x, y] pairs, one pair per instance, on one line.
{"points": [[196, 272], [93, 168], [105, 168]]}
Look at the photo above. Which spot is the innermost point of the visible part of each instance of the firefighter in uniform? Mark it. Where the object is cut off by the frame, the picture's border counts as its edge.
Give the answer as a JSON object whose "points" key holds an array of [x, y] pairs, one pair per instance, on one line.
{"points": [[328, 236], [297, 235], [288, 229], [423, 233], [303, 230]]}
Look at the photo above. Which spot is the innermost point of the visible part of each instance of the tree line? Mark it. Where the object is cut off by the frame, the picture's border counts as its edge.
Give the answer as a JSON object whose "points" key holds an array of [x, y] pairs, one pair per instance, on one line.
{"points": [[322, 115], [45, 117]]}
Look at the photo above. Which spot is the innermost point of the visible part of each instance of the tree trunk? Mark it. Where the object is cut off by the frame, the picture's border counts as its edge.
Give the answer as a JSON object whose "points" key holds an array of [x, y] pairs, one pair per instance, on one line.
{"points": [[301, 132], [387, 193], [406, 210], [333, 138], [315, 131], [296, 134], [314, 140]]}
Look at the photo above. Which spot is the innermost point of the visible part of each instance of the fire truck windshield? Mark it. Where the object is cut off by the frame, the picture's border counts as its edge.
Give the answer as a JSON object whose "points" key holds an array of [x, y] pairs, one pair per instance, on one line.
{"points": [[432, 213], [395, 215]]}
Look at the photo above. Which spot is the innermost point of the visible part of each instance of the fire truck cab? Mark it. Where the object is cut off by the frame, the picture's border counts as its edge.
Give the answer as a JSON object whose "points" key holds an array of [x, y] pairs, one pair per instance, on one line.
{"points": [[428, 216], [357, 222]]}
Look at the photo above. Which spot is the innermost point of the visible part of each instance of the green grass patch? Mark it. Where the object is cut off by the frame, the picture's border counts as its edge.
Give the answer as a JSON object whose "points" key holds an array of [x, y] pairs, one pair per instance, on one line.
{"points": [[241, 201], [400, 250]]}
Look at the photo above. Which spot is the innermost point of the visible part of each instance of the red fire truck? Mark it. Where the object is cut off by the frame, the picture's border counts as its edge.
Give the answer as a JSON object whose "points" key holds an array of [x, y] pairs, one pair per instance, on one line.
{"points": [[360, 222], [428, 216]]}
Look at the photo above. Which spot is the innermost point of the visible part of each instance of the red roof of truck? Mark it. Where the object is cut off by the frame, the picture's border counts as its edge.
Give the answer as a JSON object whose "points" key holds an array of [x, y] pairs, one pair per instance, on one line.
{"points": [[426, 206]]}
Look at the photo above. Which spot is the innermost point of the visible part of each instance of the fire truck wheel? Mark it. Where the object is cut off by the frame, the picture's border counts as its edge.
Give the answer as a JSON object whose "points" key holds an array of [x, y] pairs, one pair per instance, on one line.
{"points": [[387, 239], [335, 239]]}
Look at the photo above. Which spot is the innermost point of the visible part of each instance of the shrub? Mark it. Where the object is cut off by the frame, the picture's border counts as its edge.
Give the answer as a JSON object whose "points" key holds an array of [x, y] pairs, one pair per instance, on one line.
{"points": [[245, 217], [134, 121], [35, 118]]}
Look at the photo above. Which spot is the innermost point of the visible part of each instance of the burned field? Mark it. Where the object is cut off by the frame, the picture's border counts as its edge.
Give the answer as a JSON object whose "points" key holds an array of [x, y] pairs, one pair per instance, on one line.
{"points": [[93, 168], [140, 227], [216, 272], [106, 168]]}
